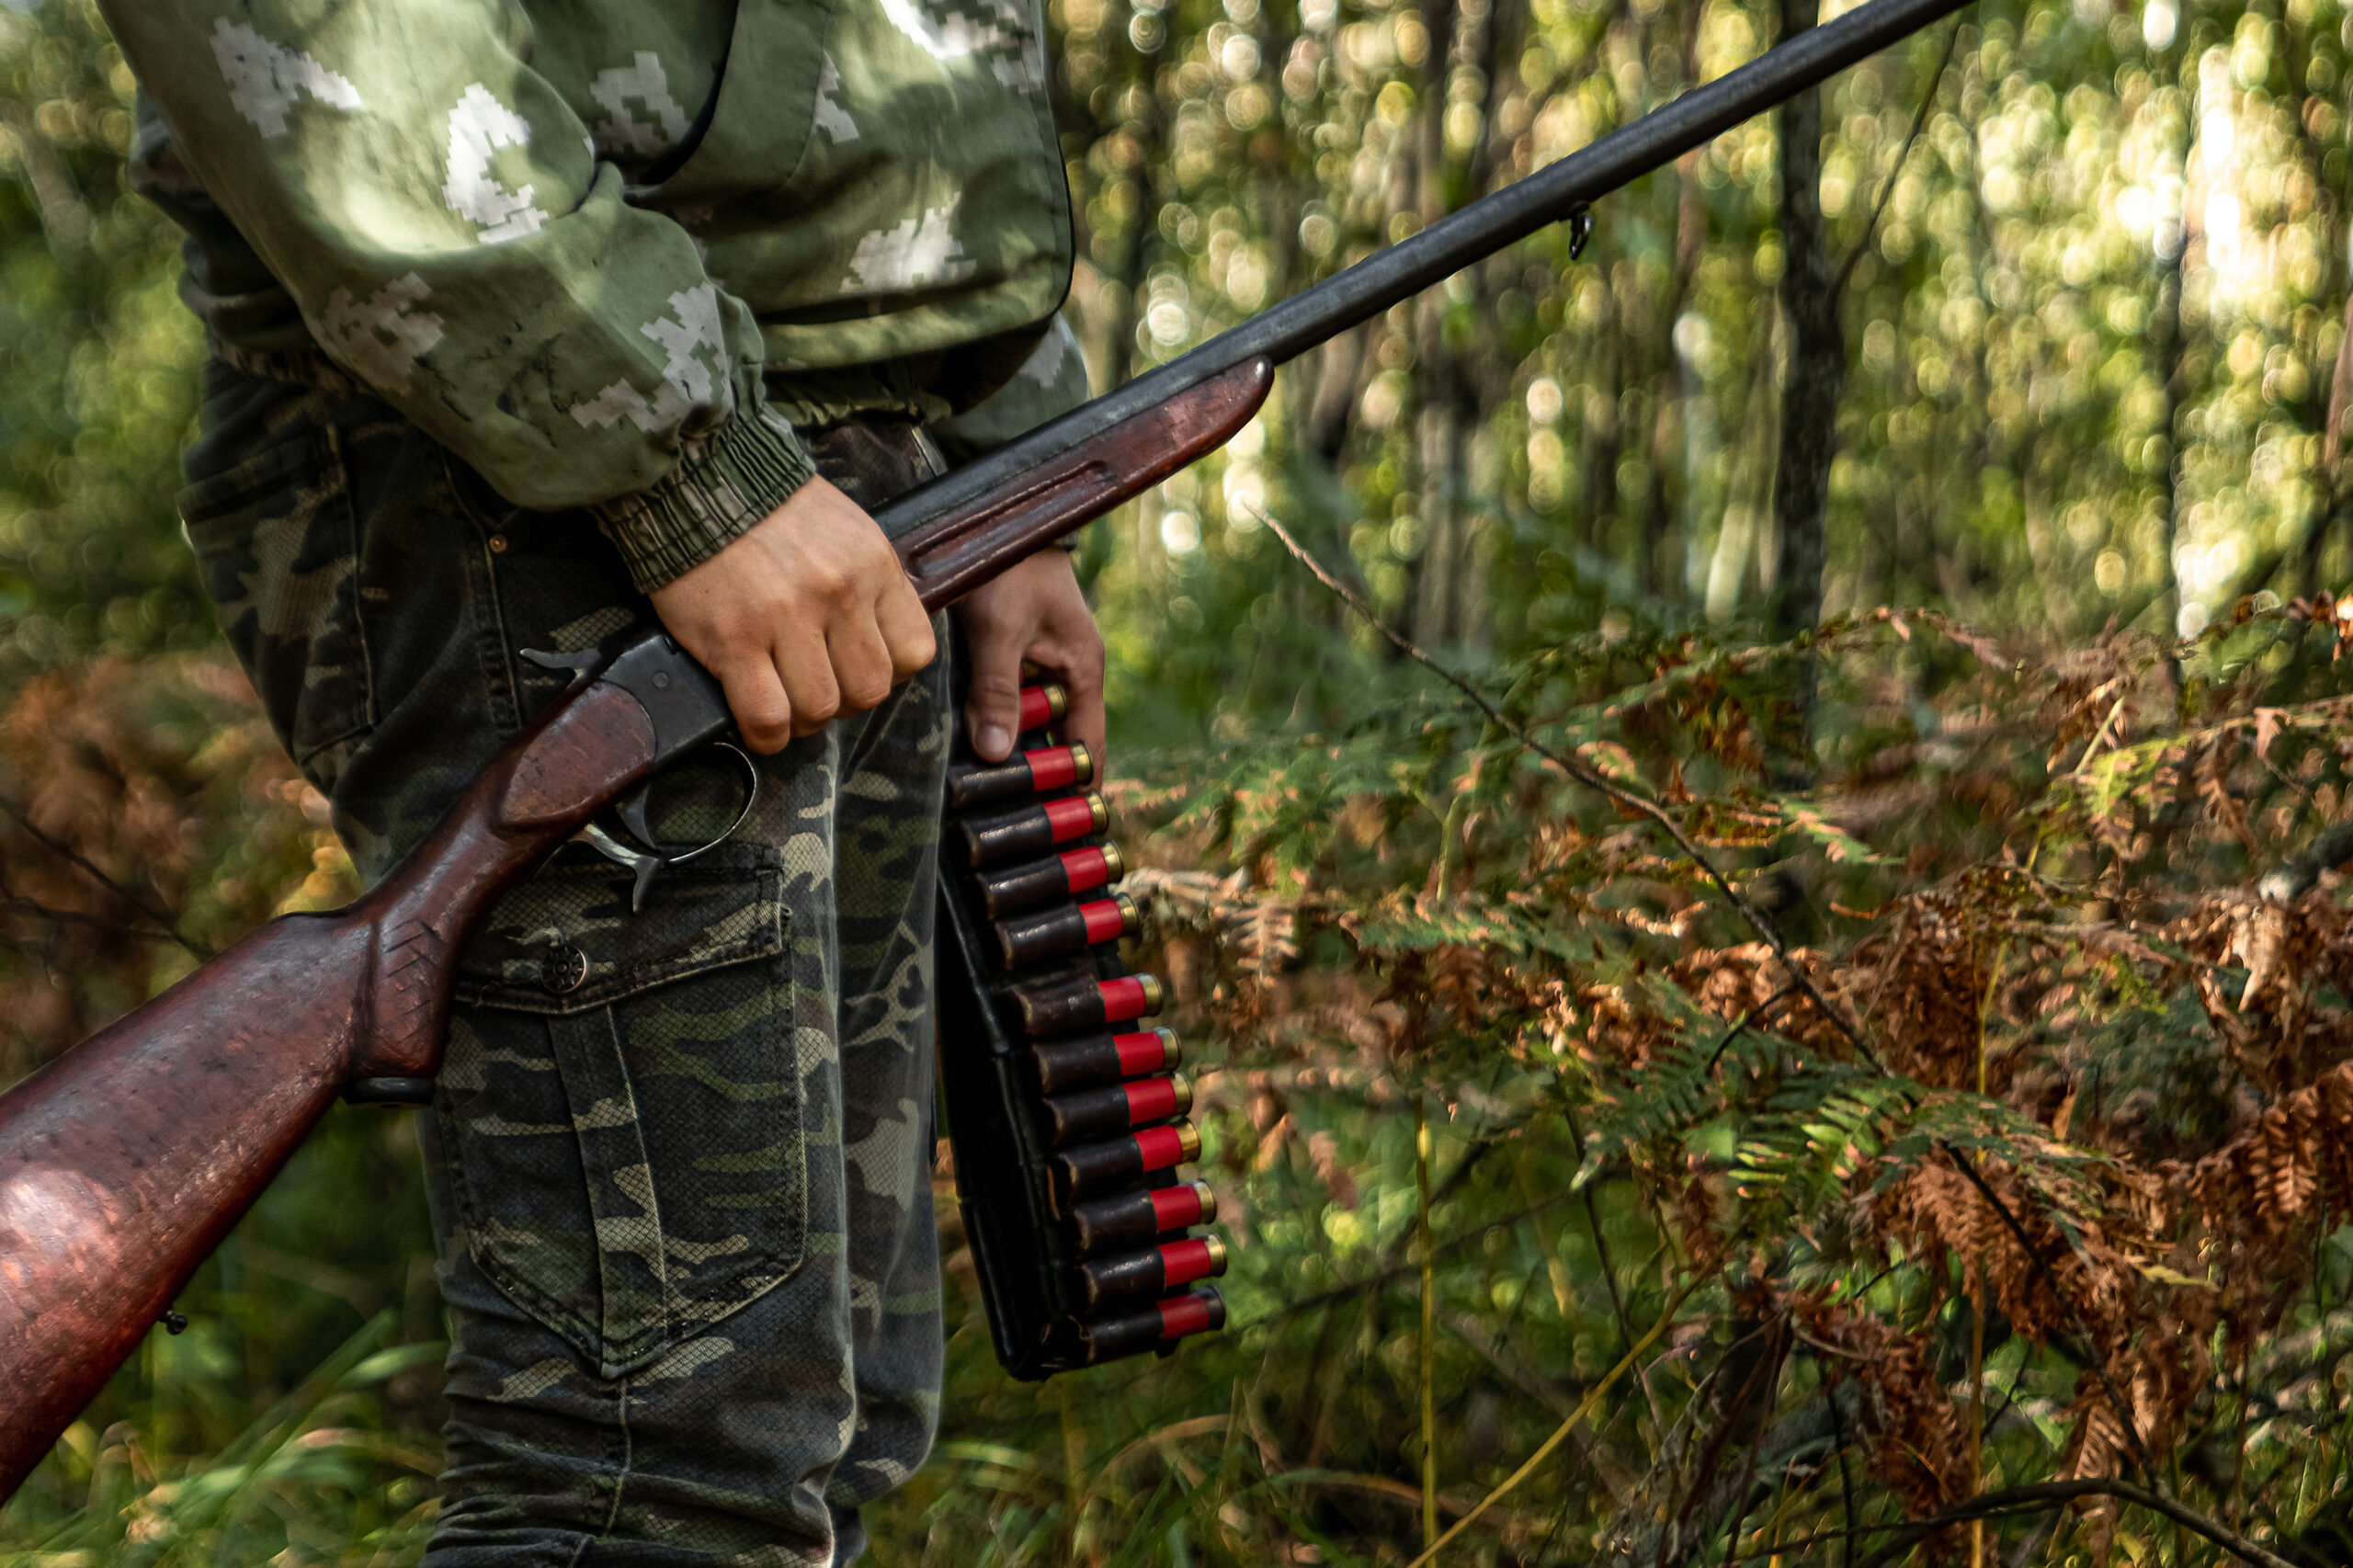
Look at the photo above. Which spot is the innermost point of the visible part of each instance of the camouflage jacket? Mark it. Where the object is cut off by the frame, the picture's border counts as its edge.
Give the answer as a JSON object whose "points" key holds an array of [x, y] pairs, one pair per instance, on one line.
{"points": [[608, 251]]}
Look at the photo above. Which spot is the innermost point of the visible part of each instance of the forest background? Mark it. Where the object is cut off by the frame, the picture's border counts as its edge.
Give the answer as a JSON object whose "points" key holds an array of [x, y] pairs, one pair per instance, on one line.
{"points": [[1843, 1021]]}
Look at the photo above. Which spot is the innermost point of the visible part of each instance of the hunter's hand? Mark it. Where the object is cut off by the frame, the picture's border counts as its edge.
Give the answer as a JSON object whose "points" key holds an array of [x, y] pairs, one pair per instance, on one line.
{"points": [[805, 616], [1034, 612]]}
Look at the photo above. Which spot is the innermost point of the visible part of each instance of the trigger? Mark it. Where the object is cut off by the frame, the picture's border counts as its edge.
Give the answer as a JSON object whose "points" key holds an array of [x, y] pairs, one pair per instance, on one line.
{"points": [[631, 809], [646, 864]]}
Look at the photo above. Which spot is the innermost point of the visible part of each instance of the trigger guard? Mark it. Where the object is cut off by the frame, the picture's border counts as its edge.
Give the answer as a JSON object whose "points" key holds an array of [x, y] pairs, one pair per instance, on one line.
{"points": [[751, 798], [646, 862]]}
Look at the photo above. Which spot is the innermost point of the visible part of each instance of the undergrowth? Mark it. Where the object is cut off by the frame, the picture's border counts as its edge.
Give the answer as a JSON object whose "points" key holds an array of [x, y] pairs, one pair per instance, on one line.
{"points": [[1982, 1198]]}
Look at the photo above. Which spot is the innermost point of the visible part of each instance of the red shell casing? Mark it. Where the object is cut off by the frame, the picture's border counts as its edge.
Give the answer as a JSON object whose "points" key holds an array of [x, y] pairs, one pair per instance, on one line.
{"points": [[1181, 1316]]}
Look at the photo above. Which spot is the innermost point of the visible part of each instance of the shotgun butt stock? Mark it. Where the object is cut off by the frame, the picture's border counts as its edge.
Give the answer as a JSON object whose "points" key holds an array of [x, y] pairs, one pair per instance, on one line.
{"points": [[124, 1162]]}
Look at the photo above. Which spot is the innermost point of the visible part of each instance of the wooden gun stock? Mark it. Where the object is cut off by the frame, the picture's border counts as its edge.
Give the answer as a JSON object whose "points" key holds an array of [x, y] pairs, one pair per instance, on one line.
{"points": [[123, 1163]]}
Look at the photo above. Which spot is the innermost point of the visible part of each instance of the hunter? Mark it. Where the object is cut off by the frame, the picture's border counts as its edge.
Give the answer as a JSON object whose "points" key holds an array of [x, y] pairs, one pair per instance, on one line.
{"points": [[527, 317]]}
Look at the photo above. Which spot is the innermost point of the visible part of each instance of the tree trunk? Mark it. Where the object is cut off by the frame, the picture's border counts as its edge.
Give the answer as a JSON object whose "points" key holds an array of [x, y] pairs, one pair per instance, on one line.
{"points": [[1816, 375], [1342, 367], [1135, 258], [2332, 486], [1434, 370], [1664, 548], [2166, 330], [1598, 423]]}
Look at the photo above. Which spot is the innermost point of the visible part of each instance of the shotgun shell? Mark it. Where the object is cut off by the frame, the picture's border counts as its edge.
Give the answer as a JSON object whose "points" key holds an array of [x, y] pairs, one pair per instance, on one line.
{"points": [[1031, 830], [1098, 1113], [1198, 1311], [1151, 1272], [1031, 773], [1041, 705], [1132, 1218], [1090, 1169], [1101, 1059], [1074, 1006], [1068, 928], [1073, 871]]}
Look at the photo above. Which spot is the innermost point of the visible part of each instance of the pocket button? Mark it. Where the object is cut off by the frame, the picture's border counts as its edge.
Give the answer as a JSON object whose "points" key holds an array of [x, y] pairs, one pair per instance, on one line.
{"points": [[564, 969]]}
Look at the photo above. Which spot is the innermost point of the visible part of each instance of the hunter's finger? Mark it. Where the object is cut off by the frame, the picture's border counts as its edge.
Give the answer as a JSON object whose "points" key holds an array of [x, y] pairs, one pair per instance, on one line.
{"points": [[906, 629], [993, 698], [806, 668], [861, 663], [1082, 676], [763, 712]]}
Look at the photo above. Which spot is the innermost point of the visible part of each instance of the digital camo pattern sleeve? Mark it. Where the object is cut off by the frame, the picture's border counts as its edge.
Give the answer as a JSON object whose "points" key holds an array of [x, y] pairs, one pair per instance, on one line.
{"points": [[440, 216]]}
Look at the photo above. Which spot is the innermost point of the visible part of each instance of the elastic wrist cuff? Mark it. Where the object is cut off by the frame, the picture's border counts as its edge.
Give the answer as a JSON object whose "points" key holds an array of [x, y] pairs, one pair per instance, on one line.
{"points": [[728, 481]]}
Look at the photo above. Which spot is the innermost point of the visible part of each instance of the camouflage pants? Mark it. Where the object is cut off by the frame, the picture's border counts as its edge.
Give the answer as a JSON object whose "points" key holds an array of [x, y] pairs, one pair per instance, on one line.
{"points": [[678, 1161]]}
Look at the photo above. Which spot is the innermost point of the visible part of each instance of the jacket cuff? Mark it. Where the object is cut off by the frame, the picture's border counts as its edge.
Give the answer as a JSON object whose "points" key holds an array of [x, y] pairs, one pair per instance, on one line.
{"points": [[728, 481]]}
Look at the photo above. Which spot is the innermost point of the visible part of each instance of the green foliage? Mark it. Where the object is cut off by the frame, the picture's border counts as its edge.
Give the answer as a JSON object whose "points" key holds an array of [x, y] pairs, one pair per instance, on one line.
{"points": [[307, 1477], [102, 381]]}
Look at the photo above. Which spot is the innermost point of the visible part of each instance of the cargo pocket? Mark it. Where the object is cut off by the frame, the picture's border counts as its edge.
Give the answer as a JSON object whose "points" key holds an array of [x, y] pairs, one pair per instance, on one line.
{"points": [[277, 548], [621, 1101]]}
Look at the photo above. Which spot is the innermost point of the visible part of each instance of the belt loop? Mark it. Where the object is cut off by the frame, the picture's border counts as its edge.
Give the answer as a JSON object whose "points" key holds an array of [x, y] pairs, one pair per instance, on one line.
{"points": [[935, 461]]}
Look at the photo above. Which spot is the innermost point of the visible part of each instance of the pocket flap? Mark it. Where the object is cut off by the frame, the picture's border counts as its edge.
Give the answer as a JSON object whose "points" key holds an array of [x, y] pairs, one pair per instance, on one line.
{"points": [[566, 941]]}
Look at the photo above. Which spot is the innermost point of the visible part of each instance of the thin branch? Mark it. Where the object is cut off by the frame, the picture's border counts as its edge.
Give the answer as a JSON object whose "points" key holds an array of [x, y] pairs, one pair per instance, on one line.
{"points": [[1584, 774], [1560, 1433], [1887, 189], [1610, 1274], [35, 911], [161, 918], [2027, 1499], [2098, 1362], [1845, 1483], [2036, 1542], [1508, 1362]]}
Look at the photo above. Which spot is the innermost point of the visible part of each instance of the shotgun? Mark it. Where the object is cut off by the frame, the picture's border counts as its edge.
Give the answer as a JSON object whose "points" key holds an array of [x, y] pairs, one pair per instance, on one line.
{"points": [[126, 1161]]}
